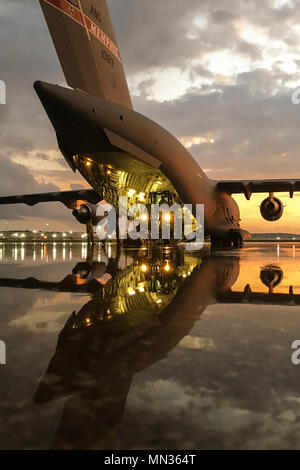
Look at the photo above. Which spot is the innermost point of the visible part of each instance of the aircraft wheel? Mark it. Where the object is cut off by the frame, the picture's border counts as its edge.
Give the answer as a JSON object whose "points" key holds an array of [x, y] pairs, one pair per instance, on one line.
{"points": [[237, 240]]}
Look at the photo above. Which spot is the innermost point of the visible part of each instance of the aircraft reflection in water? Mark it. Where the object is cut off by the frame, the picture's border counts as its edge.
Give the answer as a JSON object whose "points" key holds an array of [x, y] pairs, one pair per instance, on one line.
{"points": [[134, 318]]}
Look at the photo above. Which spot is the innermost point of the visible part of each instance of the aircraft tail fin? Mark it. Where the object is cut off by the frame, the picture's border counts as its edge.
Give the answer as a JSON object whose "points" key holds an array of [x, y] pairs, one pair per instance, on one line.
{"points": [[84, 39]]}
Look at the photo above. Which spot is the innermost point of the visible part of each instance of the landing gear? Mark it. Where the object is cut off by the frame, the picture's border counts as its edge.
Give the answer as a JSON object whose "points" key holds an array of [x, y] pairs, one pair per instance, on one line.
{"points": [[90, 232], [237, 240], [232, 240]]}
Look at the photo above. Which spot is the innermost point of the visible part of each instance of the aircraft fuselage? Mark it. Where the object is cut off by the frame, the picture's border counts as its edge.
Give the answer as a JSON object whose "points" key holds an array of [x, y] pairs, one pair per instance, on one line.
{"points": [[120, 152]]}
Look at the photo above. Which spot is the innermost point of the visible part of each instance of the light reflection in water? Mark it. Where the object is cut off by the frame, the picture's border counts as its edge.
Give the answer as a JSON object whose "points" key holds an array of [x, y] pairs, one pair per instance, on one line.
{"points": [[155, 335], [84, 250], [42, 252], [54, 253]]}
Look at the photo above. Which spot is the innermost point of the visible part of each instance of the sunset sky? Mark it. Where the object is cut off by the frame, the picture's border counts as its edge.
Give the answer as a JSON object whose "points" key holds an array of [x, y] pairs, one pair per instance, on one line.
{"points": [[218, 74]]}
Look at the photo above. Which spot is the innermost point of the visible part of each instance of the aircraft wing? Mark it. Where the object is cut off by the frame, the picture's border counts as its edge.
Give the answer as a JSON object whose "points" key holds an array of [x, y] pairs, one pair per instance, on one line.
{"points": [[68, 198], [248, 187], [259, 298], [66, 285]]}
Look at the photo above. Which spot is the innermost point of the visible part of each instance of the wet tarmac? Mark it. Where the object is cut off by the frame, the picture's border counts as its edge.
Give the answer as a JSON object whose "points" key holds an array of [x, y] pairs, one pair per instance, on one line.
{"points": [[149, 349]]}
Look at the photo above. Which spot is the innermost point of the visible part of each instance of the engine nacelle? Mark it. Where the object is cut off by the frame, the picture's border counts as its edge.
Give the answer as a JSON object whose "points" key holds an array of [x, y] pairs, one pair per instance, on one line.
{"points": [[271, 275], [271, 209], [87, 213], [90, 271]]}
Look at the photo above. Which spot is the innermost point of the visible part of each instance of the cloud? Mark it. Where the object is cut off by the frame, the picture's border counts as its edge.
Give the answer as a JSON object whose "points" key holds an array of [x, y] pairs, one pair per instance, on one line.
{"points": [[202, 69], [16, 179], [240, 394], [253, 125]]}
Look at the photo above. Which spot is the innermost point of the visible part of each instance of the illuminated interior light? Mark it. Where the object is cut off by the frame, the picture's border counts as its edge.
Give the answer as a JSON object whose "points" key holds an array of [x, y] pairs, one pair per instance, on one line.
{"points": [[88, 163], [141, 288], [167, 267], [131, 291], [144, 217], [54, 235], [158, 182], [88, 321], [109, 172], [159, 301], [64, 235], [144, 268], [167, 217], [131, 192]]}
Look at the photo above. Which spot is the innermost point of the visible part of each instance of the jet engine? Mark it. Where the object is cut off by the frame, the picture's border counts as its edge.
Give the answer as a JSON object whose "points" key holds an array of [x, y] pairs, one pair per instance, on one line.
{"points": [[271, 275], [271, 209], [87, 214]]}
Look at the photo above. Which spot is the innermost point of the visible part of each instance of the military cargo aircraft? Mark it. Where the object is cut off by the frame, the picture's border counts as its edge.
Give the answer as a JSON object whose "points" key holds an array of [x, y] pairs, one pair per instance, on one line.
{"points": [[118, 151]]}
